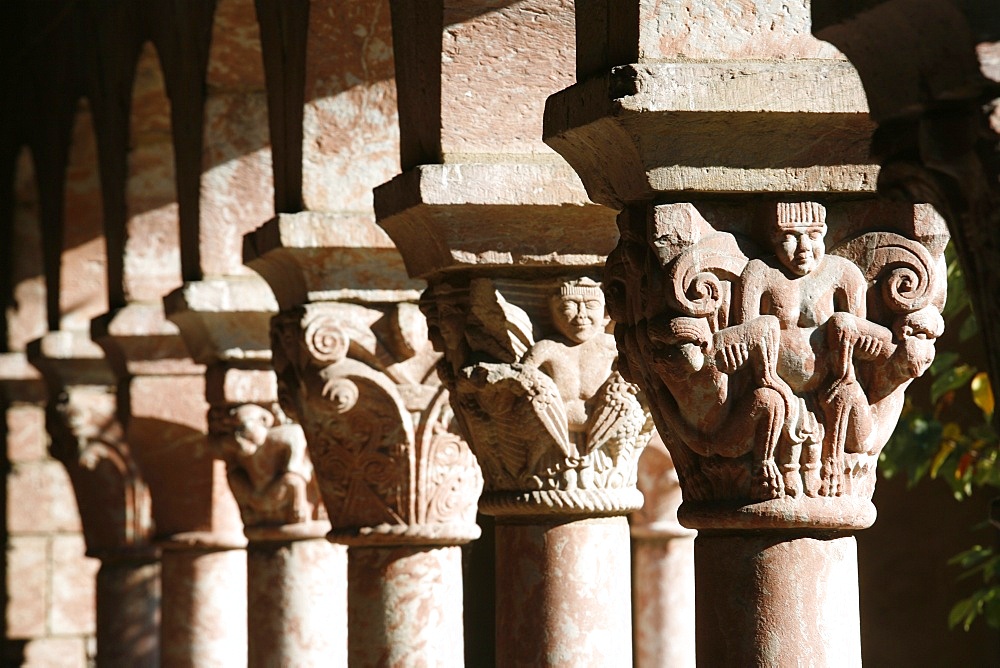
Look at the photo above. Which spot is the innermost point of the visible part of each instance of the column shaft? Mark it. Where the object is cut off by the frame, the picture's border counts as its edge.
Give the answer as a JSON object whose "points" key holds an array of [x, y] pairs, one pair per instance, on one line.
{"points": [[562, 594], [405, 606], [664, 601], [128, 613], [204, 608], [297, 594], [777, 600]]}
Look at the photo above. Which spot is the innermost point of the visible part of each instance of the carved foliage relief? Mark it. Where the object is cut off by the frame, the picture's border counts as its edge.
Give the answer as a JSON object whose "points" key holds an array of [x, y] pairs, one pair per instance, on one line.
{"points": [[360, 380], [533, 377], [775, 360]]}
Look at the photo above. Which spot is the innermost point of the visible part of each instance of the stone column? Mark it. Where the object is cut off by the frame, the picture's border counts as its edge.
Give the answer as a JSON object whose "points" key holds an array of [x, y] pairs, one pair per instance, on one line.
{"points": [[350, 344], [198, 529], [399, 484], [111, 494], [510, 246], [771, 309], [663, 589]]}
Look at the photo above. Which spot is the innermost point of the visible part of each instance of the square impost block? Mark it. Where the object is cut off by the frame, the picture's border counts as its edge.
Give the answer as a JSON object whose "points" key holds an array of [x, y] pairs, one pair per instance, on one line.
{"points": [[715, 127], [499, 217]]}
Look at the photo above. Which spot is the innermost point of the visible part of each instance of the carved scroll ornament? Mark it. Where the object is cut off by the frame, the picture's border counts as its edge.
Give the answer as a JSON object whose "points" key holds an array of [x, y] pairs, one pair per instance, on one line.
{"points": [[391, 466], [776, 375], [553, 423]]}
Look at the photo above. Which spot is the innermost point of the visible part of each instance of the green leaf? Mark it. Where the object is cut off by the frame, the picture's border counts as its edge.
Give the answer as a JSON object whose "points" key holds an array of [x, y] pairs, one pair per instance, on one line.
{"points": [[943, 361], [969, 328], [952, 379]]}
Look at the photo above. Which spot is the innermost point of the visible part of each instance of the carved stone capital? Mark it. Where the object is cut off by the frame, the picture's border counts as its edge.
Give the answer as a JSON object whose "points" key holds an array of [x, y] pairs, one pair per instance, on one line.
{"points": [[269, 470], [776, 368], [390, 465], [87, 437], [534, 381]]}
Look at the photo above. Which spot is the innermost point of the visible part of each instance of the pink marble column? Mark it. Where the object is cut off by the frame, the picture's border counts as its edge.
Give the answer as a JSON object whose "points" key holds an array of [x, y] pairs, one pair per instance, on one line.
{"points": [[770, 600], [204, 603], [128, 610], [561, 599], [663, 582], [297, 599], [405, 606]]}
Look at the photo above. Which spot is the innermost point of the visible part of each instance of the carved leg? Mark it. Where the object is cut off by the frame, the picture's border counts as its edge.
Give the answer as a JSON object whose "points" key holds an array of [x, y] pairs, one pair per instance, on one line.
{"points": [[768, 413]]}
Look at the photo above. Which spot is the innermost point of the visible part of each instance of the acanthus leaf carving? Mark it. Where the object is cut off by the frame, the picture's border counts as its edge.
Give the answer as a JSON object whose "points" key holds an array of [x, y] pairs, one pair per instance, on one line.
{"points": [[391, 468], [554, 424], [777, 376]]}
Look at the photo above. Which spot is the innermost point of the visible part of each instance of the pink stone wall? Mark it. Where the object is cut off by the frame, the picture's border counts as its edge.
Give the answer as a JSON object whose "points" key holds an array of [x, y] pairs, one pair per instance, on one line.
{"points": [[501, 61], [728, 29], [152, 248], [50, 608], [26, 320], [237, 188], [350, 123]]}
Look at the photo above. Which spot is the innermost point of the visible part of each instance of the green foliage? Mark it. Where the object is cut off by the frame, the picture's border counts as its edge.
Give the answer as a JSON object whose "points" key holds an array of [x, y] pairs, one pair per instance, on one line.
{"points": [[937, 439]]}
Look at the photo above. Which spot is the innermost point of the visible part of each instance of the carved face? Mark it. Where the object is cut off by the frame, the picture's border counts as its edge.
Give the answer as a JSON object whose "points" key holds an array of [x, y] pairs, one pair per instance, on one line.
{"points": [[579, 317], [450, 326], [253, 423], [800, 248]]}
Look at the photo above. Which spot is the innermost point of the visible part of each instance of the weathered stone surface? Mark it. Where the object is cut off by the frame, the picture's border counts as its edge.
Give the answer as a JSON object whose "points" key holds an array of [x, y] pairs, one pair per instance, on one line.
{"points": [[204, 607], [790, 361], [532, 375], [28, 586], [445, 217], [350, 112], [52, 507], [718, 127], [313, 256], [405, 603], [500, 60], [26, 440], [297, 602], [52, 652], [573, 578], [73, 604], [777, 599], [237, 192]]}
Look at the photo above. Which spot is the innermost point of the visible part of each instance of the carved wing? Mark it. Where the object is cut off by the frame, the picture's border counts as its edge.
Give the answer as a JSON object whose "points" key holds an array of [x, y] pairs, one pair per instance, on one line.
{"points": [[617, 418], [499, 328], [522, 413]]}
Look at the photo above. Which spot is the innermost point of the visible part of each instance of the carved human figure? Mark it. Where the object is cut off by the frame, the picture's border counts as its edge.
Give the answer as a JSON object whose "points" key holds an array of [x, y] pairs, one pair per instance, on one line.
{"points": [[581, 360], [545, 416], [803, 288], [268, 468]]}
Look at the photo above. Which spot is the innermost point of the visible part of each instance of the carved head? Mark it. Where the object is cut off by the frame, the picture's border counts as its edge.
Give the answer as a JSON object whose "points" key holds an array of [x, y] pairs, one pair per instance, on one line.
{"points": [[251, 426], [797, 235], [442, 306], [578, 310], [918, 331], [682, 344]]}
